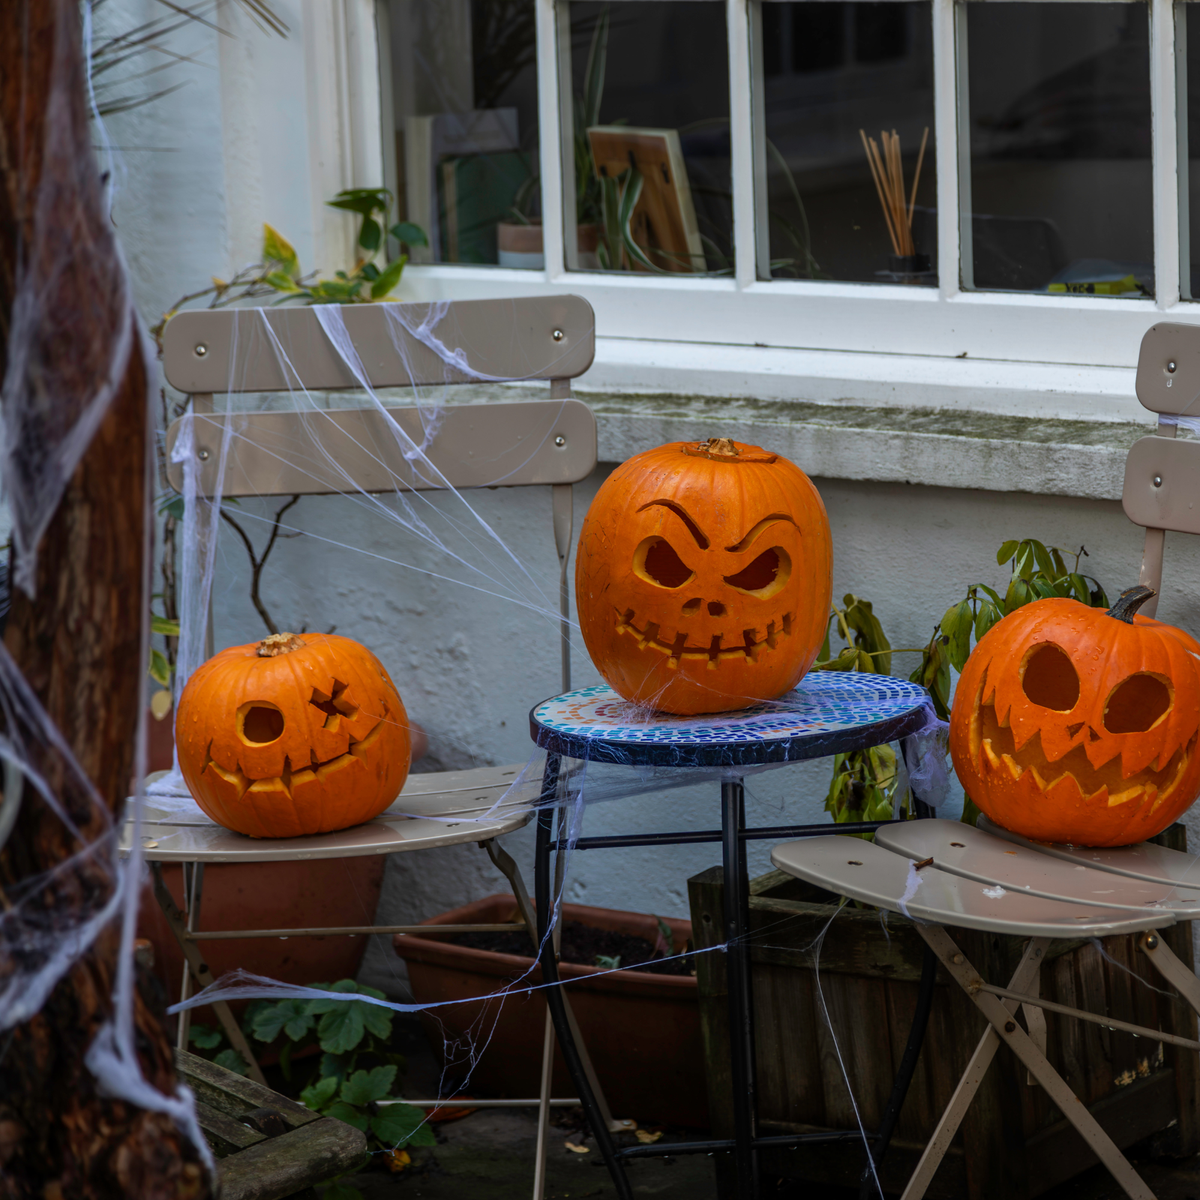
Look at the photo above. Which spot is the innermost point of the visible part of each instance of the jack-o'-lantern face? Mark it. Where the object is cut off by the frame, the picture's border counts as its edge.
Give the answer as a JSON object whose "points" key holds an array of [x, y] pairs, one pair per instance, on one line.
{"points": [[1075, 725], [703, 577], [292, 736]]}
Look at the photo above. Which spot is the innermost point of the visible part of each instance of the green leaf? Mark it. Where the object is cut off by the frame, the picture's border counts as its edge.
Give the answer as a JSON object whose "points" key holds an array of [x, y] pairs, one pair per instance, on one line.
{"points": [[277, 249], [957, 625], [204, 1036], [987, 616], [410, 234], [365, 1087], [172, 505], [318, 1094], [160, 668], [388, 278], [341, 1028], [398, 1125], [369, 271], [370, 235], [1042, 558], [281, 281], [285, 1016], [333, 1065], [1006, 551], [285, 1061], [231, 1060], [342, 1111], [163, 625]]}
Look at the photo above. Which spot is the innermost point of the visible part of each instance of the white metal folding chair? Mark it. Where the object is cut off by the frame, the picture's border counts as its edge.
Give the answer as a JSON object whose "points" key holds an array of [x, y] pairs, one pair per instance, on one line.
{"points": [[527, 443], [948, 875]]}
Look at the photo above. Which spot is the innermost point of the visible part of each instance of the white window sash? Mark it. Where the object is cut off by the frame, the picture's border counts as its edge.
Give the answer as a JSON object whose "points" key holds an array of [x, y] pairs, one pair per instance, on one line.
{"points": [[949, 322]]}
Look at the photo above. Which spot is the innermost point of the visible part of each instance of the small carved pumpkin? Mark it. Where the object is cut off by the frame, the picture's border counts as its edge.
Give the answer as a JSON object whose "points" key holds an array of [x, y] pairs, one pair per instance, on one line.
{"points": [[703, 576], [1075, 725], [292, 736]]}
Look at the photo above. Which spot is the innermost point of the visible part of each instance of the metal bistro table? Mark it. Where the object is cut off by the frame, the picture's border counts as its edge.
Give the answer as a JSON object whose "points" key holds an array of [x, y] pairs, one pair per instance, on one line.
{"points": [[829, 713]]}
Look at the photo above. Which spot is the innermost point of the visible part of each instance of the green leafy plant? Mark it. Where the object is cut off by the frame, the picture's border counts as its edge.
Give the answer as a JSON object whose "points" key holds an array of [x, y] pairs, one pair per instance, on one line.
{"points": [[356, 1073], [864, 782]]}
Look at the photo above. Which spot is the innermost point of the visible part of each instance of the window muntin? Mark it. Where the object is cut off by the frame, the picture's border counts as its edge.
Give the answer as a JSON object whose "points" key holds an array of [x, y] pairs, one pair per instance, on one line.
{"points": [[1059, 146], [829, 71], [464, 116], [646, 97]]}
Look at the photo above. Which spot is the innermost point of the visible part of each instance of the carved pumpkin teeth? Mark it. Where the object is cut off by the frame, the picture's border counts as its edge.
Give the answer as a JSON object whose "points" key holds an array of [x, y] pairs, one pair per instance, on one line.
{"points": [[998, 752], [677, 650]]}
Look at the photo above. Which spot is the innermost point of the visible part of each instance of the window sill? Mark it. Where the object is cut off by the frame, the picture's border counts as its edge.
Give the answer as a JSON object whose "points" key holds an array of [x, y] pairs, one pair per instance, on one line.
{"points": [[938, 447]]}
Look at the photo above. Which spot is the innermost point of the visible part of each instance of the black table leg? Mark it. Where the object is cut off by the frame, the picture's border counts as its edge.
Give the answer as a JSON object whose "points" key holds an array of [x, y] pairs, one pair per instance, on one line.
{"points": [[741, 1009], [908, 1066], [558, 1013]]}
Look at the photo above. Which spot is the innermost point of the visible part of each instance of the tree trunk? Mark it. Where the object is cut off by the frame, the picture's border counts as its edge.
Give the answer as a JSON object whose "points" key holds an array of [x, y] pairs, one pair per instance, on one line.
{"points": [[78, 641]]}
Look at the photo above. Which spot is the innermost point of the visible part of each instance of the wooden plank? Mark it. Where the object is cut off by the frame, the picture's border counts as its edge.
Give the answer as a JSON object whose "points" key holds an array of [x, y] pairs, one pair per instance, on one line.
{"points": [[281, 1166], [225, 1134], [235, 1096], [1128, 1115]]}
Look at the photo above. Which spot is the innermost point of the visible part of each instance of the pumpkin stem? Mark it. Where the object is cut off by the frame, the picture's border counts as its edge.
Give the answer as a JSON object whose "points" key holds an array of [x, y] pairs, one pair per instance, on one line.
{"points": [[1129, 601], [719, 446], [279, 643]]}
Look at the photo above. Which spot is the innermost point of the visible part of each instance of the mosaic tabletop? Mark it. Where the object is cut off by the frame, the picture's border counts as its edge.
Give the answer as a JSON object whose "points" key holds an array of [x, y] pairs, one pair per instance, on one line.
{"points": [[830, 712]]}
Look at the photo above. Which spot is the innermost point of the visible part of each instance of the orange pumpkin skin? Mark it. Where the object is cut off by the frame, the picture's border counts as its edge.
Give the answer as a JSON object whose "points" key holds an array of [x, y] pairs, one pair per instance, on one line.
{"points": [[703, 577], [292, 736], [1073, 725]]}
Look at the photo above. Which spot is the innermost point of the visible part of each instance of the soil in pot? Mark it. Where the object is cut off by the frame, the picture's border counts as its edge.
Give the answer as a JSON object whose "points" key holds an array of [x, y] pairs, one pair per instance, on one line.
{"points": [[641, 1028], [588, 945]]}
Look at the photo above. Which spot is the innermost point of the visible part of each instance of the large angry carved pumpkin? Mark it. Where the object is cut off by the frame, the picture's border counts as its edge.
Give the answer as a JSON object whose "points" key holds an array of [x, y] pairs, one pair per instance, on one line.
{"points": [[703, 576], [1071, 724], [292, 736]]}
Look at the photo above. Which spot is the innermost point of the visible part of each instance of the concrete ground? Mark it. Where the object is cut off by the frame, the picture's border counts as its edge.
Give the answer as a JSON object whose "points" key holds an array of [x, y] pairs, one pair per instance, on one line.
{"points": [[490, 1155]]}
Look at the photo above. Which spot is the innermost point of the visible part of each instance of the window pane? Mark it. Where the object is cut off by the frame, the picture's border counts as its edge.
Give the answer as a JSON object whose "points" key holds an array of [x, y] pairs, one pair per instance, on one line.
{"points": [[1060, 148], [1190, 220], [650, 88], [831, 73], [464, 99]]}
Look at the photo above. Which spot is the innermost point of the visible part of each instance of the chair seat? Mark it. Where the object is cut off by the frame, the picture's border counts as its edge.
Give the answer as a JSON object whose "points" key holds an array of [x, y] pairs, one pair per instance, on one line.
{"points": [[979, 855], [438, 809], [829, 712], [871, 873]]}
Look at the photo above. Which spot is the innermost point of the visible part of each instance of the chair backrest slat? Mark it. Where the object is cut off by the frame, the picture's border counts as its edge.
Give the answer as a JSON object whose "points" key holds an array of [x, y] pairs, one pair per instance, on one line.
{"points": [[347, 450], [233, 350], [1168, 370], [1162, 484]]}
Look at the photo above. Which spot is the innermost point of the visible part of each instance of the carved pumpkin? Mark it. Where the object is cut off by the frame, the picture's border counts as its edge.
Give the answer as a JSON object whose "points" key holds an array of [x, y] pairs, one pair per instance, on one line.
{"points": [[1071, 724], [292, 736], [703, 576]]}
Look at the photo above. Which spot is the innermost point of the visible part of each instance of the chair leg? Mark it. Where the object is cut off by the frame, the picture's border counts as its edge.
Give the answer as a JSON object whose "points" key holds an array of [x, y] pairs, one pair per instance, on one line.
{"points": [[558, 1012], [999, 1016], [1027, 970], [908, 1066], [200, 972], [1177, 974], [543, 1129]]}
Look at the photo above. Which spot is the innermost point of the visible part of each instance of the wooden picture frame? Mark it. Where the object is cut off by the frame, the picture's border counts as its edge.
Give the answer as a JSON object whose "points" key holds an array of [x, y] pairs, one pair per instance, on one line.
{"points": [[664, 220]]}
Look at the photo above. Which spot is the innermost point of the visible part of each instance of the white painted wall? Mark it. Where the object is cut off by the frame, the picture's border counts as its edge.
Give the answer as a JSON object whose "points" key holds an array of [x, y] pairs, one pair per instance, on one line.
{"points": [[240, 144]]}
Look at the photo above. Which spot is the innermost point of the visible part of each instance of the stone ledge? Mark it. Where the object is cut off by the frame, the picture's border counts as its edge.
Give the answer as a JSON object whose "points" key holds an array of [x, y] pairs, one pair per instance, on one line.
{"points": [[933, 446]]}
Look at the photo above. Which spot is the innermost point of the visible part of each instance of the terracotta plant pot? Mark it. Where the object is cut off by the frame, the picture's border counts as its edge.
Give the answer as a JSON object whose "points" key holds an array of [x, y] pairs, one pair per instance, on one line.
{"points": [[520, 245], [641, 1029], [321, 892]]}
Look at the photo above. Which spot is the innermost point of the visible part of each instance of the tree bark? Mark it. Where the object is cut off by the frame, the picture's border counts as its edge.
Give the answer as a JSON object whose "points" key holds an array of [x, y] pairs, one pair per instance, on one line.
{"points": [[78, 642]]}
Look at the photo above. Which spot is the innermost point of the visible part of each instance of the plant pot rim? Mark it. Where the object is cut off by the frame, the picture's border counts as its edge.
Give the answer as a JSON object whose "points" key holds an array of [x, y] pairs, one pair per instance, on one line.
{"points": [[429, 948]]}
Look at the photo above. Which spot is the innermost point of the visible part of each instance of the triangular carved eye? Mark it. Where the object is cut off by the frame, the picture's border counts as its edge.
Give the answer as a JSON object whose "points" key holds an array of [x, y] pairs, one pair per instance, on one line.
{"points": [[655, 560]]}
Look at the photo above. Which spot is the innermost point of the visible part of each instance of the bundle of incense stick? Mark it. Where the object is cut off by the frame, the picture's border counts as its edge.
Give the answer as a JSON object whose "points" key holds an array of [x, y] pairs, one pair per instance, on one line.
{"points": [[888, 172]]}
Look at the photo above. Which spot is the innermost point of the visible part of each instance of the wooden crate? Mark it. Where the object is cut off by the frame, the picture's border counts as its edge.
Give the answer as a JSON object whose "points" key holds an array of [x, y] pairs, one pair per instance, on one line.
{"points": [[1013, 1142]]}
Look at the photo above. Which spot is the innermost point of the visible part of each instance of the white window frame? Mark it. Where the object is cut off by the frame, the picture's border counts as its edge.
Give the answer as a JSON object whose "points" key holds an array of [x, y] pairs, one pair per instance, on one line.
{"points": [[752, 336]]}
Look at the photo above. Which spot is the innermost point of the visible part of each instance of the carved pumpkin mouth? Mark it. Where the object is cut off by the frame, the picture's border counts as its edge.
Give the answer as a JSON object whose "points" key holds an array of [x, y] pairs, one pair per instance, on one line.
{"points": [[750, 647], [293, 776], [1094, 784]]}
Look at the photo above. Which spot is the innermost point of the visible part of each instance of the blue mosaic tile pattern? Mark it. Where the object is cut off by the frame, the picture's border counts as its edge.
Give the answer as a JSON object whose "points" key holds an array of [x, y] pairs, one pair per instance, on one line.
{"points": [[828, 709]]}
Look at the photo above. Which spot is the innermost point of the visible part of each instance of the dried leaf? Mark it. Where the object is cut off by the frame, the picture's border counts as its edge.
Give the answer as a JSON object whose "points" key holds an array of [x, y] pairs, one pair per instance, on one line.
{"points": [[646, 1137], [574, 1149]]}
